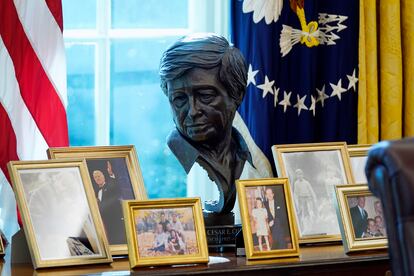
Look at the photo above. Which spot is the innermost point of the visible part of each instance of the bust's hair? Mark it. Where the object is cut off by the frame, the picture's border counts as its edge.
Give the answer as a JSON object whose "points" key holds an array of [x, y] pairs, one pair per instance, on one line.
{"points": [[205, 51]]}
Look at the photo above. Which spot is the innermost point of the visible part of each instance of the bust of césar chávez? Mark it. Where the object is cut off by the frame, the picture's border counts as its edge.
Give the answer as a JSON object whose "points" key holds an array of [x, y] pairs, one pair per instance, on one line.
{"points": [[204, 79]]}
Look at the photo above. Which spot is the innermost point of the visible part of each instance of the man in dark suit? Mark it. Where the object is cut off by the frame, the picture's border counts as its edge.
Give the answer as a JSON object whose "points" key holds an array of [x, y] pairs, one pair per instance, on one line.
{"points": [[277, 218], [359, 217], [108, 195]]}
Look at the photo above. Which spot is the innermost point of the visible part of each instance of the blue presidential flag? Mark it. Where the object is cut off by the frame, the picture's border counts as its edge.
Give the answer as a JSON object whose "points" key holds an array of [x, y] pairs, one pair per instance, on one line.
{"points": [[302, 57]]}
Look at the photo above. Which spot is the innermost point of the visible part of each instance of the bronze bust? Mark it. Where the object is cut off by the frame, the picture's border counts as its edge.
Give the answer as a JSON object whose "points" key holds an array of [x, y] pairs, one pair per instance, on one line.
{"points": [[204, 79]]}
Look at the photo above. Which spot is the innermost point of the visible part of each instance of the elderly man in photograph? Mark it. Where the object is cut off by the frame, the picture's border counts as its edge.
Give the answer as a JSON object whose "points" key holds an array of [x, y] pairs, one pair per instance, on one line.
{"points": [[204, 79], [359, 217], [108, 196]]}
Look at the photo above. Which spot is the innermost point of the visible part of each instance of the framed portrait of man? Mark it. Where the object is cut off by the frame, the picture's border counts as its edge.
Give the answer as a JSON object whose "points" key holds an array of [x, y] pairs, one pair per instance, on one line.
{"points": [[361, 218], [115, 176], [358, 155], [268, 221], [165, 232], [313, 171], [59, 213]]}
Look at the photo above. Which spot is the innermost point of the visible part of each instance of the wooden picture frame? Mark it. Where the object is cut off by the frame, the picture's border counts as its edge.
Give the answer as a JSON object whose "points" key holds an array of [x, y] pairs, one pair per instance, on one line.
{"points": [[129, 186], [59, 213], [356, 218], [266, 207], [324, 165], [358, 155], [155, 239]]}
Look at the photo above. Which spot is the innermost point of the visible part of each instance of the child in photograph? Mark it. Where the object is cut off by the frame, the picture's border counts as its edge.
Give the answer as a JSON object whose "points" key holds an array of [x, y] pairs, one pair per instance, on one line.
{"points": [[160, 240], [306, 202], [259, 215], [380, 225], [176, 243], [372, 230]]}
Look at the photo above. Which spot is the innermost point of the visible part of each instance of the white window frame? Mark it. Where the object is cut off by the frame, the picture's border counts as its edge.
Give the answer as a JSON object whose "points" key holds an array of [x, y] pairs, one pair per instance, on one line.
{"points": [[203, 16]]}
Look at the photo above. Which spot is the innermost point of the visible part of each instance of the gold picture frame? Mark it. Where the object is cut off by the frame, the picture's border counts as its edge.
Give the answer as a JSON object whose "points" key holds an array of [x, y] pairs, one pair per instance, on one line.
{"points": [[127, 161], [59, 213], [350, 219], [256, 198], [325, 165], [158, 242], [358, 155], [2, 249]]}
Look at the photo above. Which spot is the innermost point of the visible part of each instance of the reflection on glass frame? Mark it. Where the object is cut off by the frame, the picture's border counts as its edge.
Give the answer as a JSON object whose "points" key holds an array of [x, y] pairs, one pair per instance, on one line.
{"points": [[358, 155], [269, 227], [165, 232], [313, 171], [59, 213], [361, 218], [115, 176]]}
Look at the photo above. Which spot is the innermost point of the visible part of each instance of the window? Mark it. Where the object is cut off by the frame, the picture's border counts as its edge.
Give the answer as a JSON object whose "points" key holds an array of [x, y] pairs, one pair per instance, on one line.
{"points": [[113, 48]]}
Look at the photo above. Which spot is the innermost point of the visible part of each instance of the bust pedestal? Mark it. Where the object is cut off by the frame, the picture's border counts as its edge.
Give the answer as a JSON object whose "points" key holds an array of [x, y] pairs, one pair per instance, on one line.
{"points": [[221, 232]]}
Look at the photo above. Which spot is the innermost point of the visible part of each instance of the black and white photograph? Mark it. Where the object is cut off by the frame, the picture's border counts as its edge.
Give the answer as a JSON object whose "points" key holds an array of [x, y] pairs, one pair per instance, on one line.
{"points": [[358, 156], [313, 171], [358, 168], [313, 176]]}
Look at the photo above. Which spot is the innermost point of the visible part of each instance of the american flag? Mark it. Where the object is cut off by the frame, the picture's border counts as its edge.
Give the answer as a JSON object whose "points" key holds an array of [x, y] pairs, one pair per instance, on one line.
{"points": [[32, 87]]}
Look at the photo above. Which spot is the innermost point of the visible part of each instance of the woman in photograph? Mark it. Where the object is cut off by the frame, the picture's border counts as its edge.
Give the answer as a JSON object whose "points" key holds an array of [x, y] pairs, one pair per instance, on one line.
{"points": [[259, 215]]}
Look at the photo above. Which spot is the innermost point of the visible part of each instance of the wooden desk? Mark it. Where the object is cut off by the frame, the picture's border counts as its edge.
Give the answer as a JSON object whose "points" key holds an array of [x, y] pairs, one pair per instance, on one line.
{"points": [[321, 260]]}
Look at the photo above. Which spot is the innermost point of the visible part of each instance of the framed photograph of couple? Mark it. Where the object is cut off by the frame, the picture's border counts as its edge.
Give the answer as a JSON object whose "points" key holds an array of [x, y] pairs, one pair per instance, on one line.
{"points": [[313, 171], [361, 218], [165, 232], [115, 176], [268, 221], [59, 213], [358, 155]]}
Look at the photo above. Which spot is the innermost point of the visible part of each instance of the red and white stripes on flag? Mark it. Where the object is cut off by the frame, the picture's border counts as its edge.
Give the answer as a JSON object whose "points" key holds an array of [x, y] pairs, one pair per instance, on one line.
{"points": [[32, 80]]}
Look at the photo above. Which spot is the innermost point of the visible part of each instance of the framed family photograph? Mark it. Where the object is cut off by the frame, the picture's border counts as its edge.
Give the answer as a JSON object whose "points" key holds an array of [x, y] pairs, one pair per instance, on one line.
{"points": [[358, 155], [361, 218], [165, 232], [313, 171], [115, 176], [268, 221], [59, 213]]}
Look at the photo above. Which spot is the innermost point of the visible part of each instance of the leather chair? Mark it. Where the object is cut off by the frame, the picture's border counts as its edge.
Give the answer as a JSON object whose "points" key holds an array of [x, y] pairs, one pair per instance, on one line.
{"points": [[390, 174]]}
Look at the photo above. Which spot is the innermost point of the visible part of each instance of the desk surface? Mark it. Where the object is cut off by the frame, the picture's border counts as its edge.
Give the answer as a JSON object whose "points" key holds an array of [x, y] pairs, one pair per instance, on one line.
{"points": [[316, 260]]}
